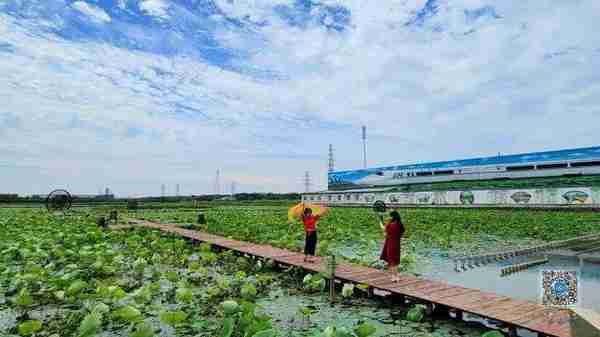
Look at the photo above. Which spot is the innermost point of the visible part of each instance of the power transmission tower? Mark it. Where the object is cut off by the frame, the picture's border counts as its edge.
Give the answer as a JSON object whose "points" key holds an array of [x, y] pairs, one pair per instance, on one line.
{"points": [[217, 183], [331, 161], [232, 188], [364, 139], [306, 182], [162, 190], [177, 190]]}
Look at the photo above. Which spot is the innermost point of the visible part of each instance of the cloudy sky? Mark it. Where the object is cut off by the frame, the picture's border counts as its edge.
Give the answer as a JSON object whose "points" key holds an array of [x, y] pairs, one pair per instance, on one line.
{"points": [[132, 94]]}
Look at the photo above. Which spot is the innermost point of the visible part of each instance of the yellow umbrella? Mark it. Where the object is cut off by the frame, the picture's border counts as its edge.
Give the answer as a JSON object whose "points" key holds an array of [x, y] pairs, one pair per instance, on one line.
{"points": [[295, 213]]}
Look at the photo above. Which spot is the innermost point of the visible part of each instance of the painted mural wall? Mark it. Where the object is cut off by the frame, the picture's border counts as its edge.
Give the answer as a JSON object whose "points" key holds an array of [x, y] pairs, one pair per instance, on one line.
{"points": [[555, 196]]}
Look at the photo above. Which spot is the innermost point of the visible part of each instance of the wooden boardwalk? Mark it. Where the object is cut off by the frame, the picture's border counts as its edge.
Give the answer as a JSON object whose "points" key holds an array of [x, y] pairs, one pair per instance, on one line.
{"points": [[512, 312]]}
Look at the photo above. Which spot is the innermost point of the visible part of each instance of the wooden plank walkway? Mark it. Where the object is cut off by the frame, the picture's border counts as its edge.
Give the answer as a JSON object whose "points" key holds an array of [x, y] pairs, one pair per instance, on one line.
{"points": [[514, 313]]}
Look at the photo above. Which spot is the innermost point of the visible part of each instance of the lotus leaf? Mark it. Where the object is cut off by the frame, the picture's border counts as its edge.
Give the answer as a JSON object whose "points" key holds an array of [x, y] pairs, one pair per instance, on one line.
{"points": [[76, 287], [127, 313], [248, 291], [184, 295], [143, 330], [28, 328], [173, 318], [364, 330], [90, 325], [230, 307]]}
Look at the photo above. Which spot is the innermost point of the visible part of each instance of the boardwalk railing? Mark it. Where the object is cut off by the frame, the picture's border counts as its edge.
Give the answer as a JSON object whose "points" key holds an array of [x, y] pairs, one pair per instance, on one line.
{"points": [[468, 262]]}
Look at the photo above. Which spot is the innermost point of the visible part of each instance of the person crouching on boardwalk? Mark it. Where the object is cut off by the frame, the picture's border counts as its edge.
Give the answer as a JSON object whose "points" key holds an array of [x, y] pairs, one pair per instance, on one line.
{"points": [[394, 230], [310, 229]]}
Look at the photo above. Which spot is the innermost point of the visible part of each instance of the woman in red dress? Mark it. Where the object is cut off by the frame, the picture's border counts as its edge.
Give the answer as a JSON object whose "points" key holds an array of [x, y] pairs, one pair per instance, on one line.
{"points": [[394, 230]]}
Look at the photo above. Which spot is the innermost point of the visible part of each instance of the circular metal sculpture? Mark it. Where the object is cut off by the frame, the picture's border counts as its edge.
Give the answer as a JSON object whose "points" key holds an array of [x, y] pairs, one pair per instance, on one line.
{"points": [[101, 222], [379, 207], [58, 200]]}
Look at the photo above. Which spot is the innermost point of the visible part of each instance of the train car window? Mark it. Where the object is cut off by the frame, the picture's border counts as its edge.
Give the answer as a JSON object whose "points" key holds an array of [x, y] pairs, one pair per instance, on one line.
{"points": [[439, 173], [520, 168], [348, 197], [586, 164], [421, 174], [380, 173], [552, 166], [339, 197], [329, 197], [357, 197], [319, 198]]}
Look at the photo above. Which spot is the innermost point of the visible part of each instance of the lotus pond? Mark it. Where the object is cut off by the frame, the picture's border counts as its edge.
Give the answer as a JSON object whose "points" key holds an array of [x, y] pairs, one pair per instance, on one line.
{"points": [[433, 238], [355, 234], [63, 276]]}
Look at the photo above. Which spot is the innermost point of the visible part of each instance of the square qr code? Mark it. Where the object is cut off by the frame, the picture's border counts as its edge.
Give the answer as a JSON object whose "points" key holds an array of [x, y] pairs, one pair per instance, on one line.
{"points": [[560, 288]]}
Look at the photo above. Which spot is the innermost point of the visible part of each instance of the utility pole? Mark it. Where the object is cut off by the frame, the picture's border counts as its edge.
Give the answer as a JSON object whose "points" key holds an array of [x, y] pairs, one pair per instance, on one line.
{"points": [[331, 161], [177, 190], [306, 182], [162, 190], [364, 139], [232, 188]]}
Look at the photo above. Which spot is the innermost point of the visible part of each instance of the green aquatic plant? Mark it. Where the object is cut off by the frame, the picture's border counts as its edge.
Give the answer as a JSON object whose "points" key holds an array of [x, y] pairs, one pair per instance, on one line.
{"points": [[362, 330], [493, 333], [314, 283], [248, 291], [348, 290], [76, 287], [90, 325], [416, 314], [30, 327], [128, 314], [230, 307], [243, 320], [142, 330], [23, 298], [173, 318], [184, 295]]}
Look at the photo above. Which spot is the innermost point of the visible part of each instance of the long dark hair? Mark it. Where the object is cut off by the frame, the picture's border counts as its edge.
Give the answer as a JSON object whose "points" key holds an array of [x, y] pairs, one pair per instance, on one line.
{"points": [[395, 216], [307, 212]]}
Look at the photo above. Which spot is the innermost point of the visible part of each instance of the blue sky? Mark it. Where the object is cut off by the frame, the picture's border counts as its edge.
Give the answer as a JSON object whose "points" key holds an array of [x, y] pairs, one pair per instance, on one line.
{"points": [[132, 94]]}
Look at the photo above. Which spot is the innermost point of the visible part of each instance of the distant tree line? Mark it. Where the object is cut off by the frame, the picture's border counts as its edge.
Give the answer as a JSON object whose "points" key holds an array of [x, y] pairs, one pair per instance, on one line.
{"points": [[42, 198], [250, 196], [215, 197], [111, 198], [9, 197]]}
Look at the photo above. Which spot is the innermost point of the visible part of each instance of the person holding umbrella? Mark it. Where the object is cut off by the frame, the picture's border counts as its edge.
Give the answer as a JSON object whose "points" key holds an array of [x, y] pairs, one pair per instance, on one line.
{"points": [[394, 230], [310, 229]]}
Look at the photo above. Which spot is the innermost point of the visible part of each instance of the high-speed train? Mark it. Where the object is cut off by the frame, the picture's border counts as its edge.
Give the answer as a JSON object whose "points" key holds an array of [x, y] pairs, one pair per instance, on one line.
{"points": [[394, 184], [582, 161]]}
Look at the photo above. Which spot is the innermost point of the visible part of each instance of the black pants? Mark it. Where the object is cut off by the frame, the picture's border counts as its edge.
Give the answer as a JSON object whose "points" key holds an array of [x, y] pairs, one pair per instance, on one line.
{"points": [[311, 243]]}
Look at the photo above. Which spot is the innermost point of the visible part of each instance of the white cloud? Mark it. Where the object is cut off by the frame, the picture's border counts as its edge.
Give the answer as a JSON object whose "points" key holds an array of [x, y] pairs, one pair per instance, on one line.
{"points": [[96, 14], [254, 10], [426, 95], [156, 8]]}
